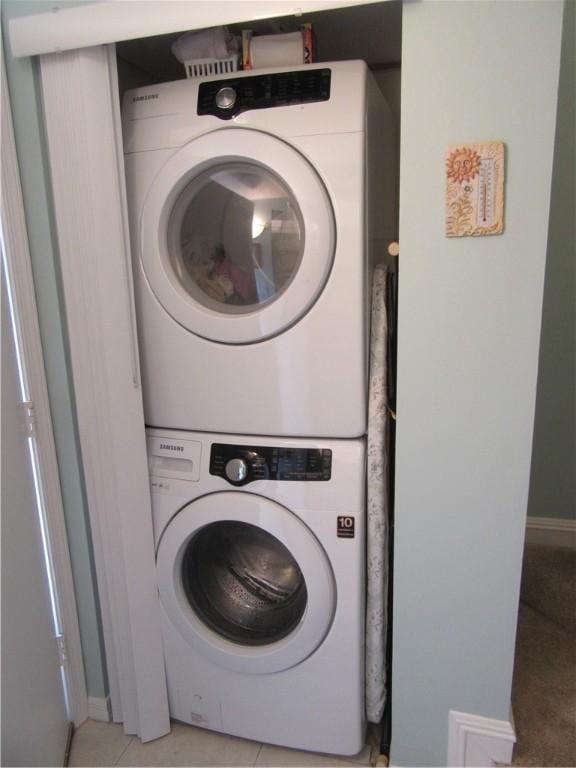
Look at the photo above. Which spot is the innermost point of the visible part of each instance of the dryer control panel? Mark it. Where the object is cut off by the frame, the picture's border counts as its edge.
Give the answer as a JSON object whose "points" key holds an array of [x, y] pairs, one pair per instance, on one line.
{"points": [[227, 98], [241, 464]]}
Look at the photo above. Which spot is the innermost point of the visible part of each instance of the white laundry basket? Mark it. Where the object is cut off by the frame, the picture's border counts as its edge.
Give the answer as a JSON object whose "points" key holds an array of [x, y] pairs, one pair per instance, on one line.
{"points": [[207, 67]]}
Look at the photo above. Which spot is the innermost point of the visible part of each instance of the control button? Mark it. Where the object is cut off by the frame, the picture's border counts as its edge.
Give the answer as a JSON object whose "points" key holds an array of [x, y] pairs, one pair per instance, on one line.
{"points": [[226, 97], [236, 470]]}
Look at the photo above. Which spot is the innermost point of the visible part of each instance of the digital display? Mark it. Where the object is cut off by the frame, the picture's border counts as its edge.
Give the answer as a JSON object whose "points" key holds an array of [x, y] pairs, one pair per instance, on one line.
{"points": [[265, 91], [272, 463]]}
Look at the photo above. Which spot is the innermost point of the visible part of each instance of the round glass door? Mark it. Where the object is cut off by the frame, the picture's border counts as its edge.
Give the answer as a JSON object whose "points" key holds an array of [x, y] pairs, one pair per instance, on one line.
{"points": [[243, 583], [237, 236]]}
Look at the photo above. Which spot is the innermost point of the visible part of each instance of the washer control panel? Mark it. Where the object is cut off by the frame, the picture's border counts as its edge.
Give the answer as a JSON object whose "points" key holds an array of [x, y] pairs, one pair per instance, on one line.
{"points": [[241, 464], [227, 98]]}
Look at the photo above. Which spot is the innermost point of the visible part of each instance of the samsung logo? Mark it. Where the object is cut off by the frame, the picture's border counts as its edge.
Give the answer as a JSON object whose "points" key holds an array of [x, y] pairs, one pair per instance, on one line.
{"points": [[147, 97], [168, 447]]}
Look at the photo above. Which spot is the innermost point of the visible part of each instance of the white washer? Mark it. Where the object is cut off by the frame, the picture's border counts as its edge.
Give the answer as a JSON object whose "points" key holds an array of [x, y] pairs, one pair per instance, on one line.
{"points": [[260, 567], [251, 202]]}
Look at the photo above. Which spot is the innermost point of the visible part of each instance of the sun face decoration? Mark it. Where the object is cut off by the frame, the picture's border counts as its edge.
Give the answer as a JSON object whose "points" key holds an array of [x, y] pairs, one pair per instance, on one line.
{"points": [[462, 164]]}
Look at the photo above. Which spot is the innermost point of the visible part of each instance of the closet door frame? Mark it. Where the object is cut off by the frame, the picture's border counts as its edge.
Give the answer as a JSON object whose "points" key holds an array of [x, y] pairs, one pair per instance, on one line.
{"points": [[81, 110]]}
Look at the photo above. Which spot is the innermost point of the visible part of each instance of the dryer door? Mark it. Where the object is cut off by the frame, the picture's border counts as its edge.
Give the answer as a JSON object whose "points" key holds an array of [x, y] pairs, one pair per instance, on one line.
{"points": [[237, 236], [245, 582]]}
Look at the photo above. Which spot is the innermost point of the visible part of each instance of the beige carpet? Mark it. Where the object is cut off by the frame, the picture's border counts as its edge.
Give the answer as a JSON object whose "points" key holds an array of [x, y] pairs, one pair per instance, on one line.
{"points": [[544, 691]]}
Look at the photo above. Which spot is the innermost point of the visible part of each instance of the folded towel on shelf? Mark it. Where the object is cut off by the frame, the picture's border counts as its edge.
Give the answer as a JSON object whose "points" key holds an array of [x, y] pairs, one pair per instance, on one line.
{"points": [[214, 43]]}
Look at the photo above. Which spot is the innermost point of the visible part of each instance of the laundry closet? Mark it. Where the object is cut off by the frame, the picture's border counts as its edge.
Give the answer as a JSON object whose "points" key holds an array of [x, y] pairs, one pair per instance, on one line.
{"points": [[261, 205], [468, 325]]}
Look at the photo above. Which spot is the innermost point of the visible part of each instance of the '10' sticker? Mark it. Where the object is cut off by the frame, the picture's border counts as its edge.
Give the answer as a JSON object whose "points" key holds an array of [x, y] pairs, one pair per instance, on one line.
{"points": [[345, 527]]}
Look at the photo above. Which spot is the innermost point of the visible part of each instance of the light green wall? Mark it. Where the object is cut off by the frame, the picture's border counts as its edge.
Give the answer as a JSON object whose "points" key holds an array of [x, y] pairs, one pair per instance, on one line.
{"points": [[469, 317], [553, 479], [469, 330], [24, 94]]}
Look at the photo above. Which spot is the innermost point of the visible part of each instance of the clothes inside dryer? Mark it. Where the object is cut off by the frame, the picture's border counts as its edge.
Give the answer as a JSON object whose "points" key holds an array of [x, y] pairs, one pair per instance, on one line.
{"points": [[235, 237], [243, 583]]}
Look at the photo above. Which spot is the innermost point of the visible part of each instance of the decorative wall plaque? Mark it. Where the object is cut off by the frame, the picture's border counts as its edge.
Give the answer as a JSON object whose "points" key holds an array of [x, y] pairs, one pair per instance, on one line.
{"points": [[475, 189]]}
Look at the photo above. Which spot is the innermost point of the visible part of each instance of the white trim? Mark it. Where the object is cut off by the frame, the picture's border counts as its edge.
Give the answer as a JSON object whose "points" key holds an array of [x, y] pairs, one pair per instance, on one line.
{"points": [[22, 288], [551, 531], [474, 740], [99, 709], [81, 103], [98, 23]]}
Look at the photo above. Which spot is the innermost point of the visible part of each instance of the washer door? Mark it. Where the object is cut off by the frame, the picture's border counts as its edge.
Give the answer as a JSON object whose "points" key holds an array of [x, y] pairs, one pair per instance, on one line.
{"points": [[237, 236], [245, 582]]}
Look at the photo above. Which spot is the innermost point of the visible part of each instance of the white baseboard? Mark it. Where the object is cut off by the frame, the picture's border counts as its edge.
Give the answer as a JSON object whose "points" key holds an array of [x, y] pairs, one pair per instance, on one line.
{"points": [[99, 709], [551, 531], [479, 741]]}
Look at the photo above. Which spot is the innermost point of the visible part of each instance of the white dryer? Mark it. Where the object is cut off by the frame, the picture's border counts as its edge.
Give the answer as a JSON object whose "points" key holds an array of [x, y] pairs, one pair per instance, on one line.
{"points": [[260, 567], [256, 203]]}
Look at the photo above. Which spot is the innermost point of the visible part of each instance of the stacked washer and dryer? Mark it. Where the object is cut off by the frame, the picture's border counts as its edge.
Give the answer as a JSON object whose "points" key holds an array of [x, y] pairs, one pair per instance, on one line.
{"points": [[257, 204]]}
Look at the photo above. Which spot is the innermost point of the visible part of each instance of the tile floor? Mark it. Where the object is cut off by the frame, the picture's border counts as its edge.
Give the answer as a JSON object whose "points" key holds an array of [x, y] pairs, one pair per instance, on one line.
{"points": [[105, 744]]}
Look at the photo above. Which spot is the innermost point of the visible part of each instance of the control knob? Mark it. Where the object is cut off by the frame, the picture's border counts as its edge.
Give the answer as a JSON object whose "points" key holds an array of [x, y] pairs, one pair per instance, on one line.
{"points": [[236, 470], [226, 97]]}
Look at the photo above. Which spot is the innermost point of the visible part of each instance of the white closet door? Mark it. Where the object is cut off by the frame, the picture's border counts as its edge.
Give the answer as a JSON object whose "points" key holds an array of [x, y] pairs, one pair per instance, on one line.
{"points": [[82, 123], [34, 718], [43, 685]]}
